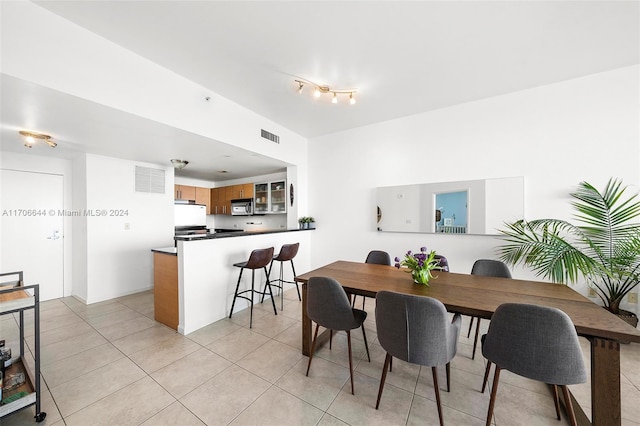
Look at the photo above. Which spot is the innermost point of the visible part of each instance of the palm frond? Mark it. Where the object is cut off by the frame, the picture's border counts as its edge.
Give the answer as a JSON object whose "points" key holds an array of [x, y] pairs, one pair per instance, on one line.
{"points": [[604, 248]]}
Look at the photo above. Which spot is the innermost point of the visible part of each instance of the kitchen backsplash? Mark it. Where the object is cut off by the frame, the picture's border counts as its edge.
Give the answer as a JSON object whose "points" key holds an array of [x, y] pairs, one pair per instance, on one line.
{"points": [[247, 223]]}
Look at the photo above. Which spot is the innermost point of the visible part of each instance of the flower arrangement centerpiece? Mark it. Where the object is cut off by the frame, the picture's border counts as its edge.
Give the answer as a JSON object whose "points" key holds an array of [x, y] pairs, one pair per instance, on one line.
{"points": [[420, 265]]}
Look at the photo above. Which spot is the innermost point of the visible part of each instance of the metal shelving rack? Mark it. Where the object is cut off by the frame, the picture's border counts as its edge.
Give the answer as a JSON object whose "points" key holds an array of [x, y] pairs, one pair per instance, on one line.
{"points": [[15, 297]]}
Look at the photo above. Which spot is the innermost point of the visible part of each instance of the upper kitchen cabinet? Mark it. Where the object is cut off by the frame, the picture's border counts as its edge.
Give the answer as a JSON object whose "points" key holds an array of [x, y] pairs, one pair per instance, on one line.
{"points": [[270, 197], [236, 192], [185, 192], [203, 196], [261, 193], [219, 201], [221, 197], [278, 197]]}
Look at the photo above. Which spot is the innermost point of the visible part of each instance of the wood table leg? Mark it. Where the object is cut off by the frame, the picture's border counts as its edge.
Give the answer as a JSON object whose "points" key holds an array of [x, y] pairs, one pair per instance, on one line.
{"points": [[605, 382]]}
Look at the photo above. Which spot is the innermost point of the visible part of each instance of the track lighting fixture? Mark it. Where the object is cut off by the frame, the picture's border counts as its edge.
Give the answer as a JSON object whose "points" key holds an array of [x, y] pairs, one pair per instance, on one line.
{"points": [[319, 90], [32, 137]]}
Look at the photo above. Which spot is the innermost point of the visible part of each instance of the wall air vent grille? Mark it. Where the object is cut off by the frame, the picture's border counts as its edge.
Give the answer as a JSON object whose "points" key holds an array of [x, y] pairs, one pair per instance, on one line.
{"points": [[150, 180], [270, 136]]}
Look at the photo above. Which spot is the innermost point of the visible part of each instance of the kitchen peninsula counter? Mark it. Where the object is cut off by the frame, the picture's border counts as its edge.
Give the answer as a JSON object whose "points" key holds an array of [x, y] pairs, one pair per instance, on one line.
{"points": [[214, 235], [206, 277]]}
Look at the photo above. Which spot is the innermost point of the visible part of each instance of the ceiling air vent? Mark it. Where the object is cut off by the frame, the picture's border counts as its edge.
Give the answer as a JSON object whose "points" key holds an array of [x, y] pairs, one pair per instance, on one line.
{"points": [[149, 180], [270, 136]]}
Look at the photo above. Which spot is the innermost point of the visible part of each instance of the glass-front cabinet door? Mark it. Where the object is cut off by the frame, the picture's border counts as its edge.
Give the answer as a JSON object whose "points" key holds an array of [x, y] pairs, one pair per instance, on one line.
{"points": [[278, 197], [261, 198], [270, 197]]}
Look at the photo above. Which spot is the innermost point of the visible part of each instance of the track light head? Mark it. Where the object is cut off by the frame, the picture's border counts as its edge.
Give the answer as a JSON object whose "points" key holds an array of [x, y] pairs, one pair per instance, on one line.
{"points": [[31, 138]]}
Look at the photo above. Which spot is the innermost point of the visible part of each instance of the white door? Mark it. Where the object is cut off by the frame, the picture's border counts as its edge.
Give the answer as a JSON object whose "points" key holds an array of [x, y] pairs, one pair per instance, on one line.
{"points": [[32, 221]]}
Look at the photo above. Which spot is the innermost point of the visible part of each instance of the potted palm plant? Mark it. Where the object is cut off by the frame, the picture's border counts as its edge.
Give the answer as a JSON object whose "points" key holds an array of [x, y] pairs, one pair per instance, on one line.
{"points": [[604, 248]]}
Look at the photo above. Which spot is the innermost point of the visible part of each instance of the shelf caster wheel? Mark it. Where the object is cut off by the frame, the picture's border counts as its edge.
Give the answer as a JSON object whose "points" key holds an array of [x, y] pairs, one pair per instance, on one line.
{"points": [[40, 416]]}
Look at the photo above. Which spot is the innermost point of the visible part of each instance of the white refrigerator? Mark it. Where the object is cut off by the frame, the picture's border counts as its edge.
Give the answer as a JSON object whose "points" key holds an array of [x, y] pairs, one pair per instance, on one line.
{"points": [[190, 215]]}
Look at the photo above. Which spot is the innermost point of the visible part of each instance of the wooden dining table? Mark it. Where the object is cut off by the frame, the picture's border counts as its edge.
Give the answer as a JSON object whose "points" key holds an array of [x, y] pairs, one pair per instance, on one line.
{"points": [[479, 296]]}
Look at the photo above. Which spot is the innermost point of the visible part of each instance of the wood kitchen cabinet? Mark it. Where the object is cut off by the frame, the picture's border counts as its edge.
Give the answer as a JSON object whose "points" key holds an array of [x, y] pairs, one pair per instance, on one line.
{"points": [[203, 196], [165, 289], [242, 191], [218, 200], [221, 197], [184, 192]]}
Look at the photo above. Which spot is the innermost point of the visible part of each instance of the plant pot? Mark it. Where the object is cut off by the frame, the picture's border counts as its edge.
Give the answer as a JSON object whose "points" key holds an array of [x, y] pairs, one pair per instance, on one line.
{"points": [[312, 225], [628, 317]]}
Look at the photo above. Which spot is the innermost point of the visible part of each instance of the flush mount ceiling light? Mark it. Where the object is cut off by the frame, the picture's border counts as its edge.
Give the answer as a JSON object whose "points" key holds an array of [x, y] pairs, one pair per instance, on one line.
{"points": [[319, 90], [179, 164], [32, 137]]}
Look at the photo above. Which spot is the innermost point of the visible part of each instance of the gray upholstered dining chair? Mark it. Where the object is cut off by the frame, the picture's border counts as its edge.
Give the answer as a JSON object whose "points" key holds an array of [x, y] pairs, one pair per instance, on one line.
{"points": [[328, 306], [487, 268], [537, 342], [376, 257], [401, 324]]}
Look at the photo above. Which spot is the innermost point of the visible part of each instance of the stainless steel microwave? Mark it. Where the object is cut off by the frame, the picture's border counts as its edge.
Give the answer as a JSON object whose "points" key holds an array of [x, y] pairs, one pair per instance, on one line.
{"points": [[242, 207]]}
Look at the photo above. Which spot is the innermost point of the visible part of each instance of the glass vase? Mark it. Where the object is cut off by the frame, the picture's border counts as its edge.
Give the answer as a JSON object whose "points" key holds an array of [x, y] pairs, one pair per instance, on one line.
{"points": [[420, 276]]}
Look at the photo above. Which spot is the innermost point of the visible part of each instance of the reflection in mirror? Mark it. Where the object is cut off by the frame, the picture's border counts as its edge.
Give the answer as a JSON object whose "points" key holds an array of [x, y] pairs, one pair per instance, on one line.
{"points": [[450, 205], [465, 207]]}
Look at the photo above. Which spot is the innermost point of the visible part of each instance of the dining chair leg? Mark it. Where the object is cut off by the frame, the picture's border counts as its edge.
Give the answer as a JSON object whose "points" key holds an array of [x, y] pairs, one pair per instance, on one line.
{"points": [[391, 365], [470, 326], [567, 402], [330, 338], [313, 348], [366, 346], [486, 376], [350, 361], [556, 401], [494, 391], [387, 360], [448, 369], [475, 339], [436, 388]]}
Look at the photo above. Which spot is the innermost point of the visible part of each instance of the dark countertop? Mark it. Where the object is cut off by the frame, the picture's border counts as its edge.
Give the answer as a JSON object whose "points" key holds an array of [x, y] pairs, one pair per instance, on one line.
{"points": [[233, 234], [173, 251]]}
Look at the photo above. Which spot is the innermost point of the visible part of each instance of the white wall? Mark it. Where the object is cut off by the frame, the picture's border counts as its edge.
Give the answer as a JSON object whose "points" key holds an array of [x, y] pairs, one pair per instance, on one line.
{"points": [[555, 136], [44, 164], [119, 260], [80, 242]]}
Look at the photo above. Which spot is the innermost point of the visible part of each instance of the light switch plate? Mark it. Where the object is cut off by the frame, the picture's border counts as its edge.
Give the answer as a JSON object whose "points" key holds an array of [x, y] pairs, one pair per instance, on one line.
{"points": [[592, 292], [633, 297]]}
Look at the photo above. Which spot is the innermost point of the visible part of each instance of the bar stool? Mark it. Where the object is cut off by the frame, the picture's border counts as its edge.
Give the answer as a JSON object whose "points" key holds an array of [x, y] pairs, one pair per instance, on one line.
{"points": [[287, 253], [259, 258]]}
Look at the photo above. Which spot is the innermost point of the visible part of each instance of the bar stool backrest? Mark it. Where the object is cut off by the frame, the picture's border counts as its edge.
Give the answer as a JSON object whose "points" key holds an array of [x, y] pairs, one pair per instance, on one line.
{"points": [[260, 258], [287, 252]]}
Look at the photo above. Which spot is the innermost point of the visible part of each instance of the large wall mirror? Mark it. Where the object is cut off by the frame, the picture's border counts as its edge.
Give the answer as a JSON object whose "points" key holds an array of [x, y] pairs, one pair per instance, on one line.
{"points": [[465, 207]]}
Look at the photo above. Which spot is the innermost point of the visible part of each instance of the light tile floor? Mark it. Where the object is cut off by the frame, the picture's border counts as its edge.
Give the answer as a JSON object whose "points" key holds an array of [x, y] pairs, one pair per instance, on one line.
{"points": [[111, 364]]}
